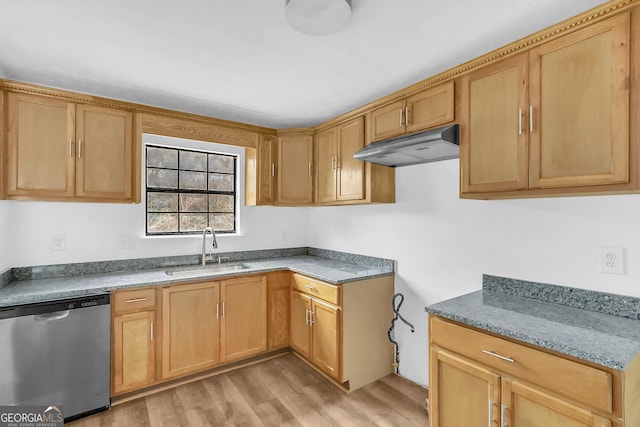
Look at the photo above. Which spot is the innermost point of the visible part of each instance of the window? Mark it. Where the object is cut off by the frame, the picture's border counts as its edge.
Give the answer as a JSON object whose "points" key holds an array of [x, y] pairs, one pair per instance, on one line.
{"points": [[189, 190]]}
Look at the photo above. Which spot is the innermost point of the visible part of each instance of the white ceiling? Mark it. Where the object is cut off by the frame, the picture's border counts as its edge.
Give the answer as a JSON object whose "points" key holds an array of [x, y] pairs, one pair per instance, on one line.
{"points": [[240, 60]]}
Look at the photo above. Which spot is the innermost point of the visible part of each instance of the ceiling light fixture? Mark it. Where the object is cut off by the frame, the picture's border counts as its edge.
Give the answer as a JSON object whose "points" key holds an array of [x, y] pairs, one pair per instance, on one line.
{"points": [[318, 17]]}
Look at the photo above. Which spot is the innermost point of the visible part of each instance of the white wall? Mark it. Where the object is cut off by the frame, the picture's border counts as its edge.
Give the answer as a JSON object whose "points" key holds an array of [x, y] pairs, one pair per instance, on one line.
{"points": [[5, 261], [92, 231], [443, 244]]}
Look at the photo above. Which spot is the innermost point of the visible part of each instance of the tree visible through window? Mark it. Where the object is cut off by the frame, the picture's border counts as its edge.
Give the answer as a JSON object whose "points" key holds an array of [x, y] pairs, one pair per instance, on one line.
{"points": [[189, 190]]}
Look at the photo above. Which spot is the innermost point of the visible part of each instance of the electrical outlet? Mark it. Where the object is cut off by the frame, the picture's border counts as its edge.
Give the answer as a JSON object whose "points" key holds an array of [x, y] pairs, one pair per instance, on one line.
{"points": [[612, 260], [58, 242], [125, 242]]}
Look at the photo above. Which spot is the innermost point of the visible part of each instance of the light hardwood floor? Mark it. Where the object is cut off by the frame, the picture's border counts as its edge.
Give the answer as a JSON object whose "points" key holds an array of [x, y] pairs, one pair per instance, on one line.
{"points": [[279, 392]]}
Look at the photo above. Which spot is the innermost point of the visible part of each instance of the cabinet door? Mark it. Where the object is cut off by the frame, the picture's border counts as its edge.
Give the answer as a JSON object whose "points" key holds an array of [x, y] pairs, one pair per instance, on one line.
{"points": [[190, 330], [462, 392], [133, 351], [104, 153], [300, 331], [580, 101], [430, 108], [351, 172], [243, 327], [326, 163], [267, 151], [527, 406], [40, 137], [278, 309], [493, 148], [388, 121], [325, 337], [295, 154]]}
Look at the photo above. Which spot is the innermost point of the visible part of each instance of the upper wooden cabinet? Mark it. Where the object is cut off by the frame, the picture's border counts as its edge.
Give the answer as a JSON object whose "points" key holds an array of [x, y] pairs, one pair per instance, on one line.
{"points": [[429, 108], [338, 175], [554, 117], [295, 168], [267, 159], [60, 150]]}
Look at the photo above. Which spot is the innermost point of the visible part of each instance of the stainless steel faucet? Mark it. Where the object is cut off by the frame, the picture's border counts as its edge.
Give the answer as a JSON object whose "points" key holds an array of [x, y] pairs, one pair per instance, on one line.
{"points": [[214, 244]]}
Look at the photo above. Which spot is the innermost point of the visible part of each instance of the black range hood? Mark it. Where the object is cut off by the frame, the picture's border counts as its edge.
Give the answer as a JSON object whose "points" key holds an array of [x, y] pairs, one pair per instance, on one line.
{"points": [[423, 147]]}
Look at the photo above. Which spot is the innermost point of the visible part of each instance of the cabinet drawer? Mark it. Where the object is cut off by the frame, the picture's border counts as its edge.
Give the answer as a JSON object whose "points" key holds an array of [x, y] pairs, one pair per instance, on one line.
{"points": [[584, 384], [316, 288], [135, 299]]}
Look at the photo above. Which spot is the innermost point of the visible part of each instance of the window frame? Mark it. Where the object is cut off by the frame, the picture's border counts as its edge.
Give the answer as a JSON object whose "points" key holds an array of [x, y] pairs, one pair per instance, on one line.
{"points": [[178, 191]]}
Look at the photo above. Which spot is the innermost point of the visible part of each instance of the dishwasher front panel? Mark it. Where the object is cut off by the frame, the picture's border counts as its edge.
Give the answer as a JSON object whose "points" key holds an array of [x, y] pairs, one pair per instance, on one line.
{"points": [[56, 354]]}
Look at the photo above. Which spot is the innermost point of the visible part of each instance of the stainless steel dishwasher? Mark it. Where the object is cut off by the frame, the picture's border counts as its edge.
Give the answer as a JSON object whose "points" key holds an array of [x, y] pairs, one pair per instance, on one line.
{"points": [[56, 353]]}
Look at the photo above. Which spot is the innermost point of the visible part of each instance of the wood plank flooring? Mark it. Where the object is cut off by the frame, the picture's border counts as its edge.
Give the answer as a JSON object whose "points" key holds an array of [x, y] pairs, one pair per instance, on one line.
{"points": [[279, 392]]}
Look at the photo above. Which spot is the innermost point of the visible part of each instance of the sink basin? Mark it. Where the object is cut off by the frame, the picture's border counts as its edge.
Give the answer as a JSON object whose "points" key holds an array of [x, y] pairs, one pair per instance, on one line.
{"points": [[206, 270]]}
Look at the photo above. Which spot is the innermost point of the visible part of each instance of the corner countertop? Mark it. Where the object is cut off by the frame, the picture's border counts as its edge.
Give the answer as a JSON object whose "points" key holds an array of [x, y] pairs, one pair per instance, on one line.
{"points": [[601, 338], [43, 290]]}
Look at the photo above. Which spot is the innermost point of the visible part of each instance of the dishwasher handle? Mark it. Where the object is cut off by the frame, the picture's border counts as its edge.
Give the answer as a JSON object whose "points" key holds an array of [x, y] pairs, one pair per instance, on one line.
{"points": [[56, 315]]}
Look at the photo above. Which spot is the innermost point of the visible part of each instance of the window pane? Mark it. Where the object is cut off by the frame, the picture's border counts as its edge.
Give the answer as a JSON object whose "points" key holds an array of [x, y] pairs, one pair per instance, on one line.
{"points": [[220, 163], [220, 203], [162, 202], [193, 161], [162, 223], [162, 178], [193, 180], [193, 222], [222, 222], [162, 157], [219, 182], [193, 203]]}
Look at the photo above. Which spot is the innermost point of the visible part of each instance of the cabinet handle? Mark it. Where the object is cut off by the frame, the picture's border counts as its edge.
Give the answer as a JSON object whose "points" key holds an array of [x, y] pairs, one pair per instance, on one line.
{"points": [[520, 121], [406, 115], [70, 147], [152, 331], [222, 308], [490, 413], [217, 311], [311, 288], [503, 410], [135, 300], [309, 168], [311, 321], [530, 118], [79, 148], [401, 117], [273, 169], [499, 356]]}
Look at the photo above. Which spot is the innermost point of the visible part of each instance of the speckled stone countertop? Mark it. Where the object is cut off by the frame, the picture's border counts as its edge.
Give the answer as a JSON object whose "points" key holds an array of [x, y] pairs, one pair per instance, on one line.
{"points": [[586, 330], [50, 289]]}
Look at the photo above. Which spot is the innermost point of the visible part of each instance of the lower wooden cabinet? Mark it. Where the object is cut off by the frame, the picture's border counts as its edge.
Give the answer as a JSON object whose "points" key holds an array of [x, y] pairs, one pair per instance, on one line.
{"points": [[471, 386], [278, 309], [134, 339], [134, 351], [243, 325], [317, 337], [212, 322], [342, 329], [191, 322]]}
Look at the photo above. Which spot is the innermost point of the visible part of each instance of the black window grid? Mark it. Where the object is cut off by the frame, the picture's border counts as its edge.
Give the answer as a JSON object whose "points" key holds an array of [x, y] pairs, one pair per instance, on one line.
{"points": [[177, 191]]}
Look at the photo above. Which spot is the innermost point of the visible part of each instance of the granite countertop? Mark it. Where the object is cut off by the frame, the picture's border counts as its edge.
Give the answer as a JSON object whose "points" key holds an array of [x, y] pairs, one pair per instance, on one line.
{"points": [[50, 289], [586, 333]]}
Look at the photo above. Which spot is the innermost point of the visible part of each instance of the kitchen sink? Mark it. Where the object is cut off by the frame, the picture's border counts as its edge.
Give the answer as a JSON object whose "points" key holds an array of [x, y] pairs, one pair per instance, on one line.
{"points": [[206, 270]]}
